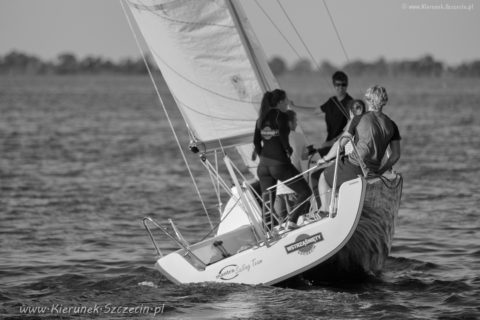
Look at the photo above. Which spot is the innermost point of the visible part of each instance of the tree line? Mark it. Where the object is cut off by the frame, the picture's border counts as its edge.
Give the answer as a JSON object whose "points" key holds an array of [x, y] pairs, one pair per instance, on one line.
{"points": [[423, 66], [67, 63]]}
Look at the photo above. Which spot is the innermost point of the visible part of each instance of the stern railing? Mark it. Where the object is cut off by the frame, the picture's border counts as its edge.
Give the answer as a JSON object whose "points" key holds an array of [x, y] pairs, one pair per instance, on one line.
{"points": [[180, 242], [268, 213], [331, 207]]}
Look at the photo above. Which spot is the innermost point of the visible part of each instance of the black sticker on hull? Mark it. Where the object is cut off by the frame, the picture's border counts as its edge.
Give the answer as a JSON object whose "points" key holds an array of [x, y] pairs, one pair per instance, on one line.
{"points": [[304, 243]]}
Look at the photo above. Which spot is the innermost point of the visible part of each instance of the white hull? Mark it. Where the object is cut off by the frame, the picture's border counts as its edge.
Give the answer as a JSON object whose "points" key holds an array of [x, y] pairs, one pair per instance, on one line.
{"points": [[269, 262], [366, 252], [217, 73]]}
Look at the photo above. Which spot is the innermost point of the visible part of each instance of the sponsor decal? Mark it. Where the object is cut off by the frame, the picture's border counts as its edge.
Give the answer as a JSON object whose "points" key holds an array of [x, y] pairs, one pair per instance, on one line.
{"points": [[268, 133], [233, 270], [304, 243], [228, 272]]}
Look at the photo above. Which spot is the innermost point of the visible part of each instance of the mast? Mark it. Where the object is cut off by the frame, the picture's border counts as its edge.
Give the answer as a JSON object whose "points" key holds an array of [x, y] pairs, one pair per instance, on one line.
{"points": [[258, 62], [248, 46]]}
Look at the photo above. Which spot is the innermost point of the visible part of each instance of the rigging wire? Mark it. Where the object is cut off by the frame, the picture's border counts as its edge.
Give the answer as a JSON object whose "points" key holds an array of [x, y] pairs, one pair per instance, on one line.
{"points": [[165, 110], [278, 29], [336, 31], [221, 220], [337, 103], [219, 199], [298, 35], [338, 36]]}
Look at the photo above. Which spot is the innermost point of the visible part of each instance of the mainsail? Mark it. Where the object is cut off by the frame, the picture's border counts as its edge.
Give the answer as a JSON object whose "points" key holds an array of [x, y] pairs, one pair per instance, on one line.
{"points": [[212, 63]]}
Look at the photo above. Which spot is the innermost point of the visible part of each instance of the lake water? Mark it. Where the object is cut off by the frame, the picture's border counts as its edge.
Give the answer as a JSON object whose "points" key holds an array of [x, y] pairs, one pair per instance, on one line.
{"points": [[84, 159]]}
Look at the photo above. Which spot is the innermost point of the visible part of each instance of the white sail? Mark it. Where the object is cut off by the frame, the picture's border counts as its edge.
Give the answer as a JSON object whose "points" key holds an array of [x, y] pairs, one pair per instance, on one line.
{"points": [[211, 62]]}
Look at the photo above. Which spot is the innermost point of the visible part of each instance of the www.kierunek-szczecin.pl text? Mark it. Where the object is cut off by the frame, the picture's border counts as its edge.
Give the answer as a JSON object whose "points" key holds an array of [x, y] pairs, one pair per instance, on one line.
{"points": [[95, 309]]}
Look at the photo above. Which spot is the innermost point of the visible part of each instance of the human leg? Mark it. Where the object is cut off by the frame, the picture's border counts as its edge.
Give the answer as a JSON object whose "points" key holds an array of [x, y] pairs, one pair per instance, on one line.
{"points": [[302, 204], [280, 206], [314, 178], [266, 181], [346, 171], [325, 192]]}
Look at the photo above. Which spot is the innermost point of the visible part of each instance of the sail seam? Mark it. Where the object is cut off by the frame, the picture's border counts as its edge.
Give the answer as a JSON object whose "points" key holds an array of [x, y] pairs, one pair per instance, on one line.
{"points": [[153, 10], [210, 116], [199, 86]]}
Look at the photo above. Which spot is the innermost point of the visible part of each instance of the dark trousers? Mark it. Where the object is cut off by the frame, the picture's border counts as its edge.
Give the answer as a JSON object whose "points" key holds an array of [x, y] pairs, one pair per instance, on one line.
{"points": [[269, 175], [346, 171]]}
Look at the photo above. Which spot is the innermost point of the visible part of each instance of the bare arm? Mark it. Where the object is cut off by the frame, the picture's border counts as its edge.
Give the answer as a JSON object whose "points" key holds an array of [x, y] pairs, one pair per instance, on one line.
{"points": [[314, 109], [304, 155], [393, 158], [332, 153]]}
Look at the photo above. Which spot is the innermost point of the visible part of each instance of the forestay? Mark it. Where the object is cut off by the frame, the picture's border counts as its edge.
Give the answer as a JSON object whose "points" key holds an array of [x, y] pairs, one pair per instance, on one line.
{"points": [[212, 63]]}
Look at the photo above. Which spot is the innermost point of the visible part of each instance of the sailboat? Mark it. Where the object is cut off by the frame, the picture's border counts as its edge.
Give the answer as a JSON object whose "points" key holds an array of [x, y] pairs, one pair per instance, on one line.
{"points": [[217, 72]]}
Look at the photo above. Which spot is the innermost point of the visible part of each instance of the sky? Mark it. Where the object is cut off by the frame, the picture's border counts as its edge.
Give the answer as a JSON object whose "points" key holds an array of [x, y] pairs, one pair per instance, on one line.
{"points": [[368, 29]]}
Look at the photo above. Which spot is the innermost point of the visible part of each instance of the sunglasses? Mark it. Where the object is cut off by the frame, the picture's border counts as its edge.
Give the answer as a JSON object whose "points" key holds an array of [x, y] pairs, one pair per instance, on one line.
{"points": [[340, 84]]}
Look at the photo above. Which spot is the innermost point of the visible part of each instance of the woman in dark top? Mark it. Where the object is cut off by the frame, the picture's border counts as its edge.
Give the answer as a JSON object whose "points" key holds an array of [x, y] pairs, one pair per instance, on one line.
{"points": [[271, 144]]}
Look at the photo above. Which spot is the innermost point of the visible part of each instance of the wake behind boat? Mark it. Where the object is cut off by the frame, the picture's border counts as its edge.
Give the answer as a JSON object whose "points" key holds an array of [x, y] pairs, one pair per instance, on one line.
{"points": [[217, 72]]}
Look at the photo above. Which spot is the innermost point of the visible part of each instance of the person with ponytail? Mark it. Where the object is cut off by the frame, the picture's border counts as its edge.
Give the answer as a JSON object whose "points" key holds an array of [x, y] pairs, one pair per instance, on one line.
{"points": [[272, 146]]}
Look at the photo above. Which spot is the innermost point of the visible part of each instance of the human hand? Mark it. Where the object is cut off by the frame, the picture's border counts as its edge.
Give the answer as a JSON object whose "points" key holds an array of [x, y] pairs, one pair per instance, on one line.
{"points": [[321, 161]]}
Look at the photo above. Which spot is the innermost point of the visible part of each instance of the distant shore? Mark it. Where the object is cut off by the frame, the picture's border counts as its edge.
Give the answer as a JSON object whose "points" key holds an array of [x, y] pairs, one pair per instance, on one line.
{"points": [[16, 62]]}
